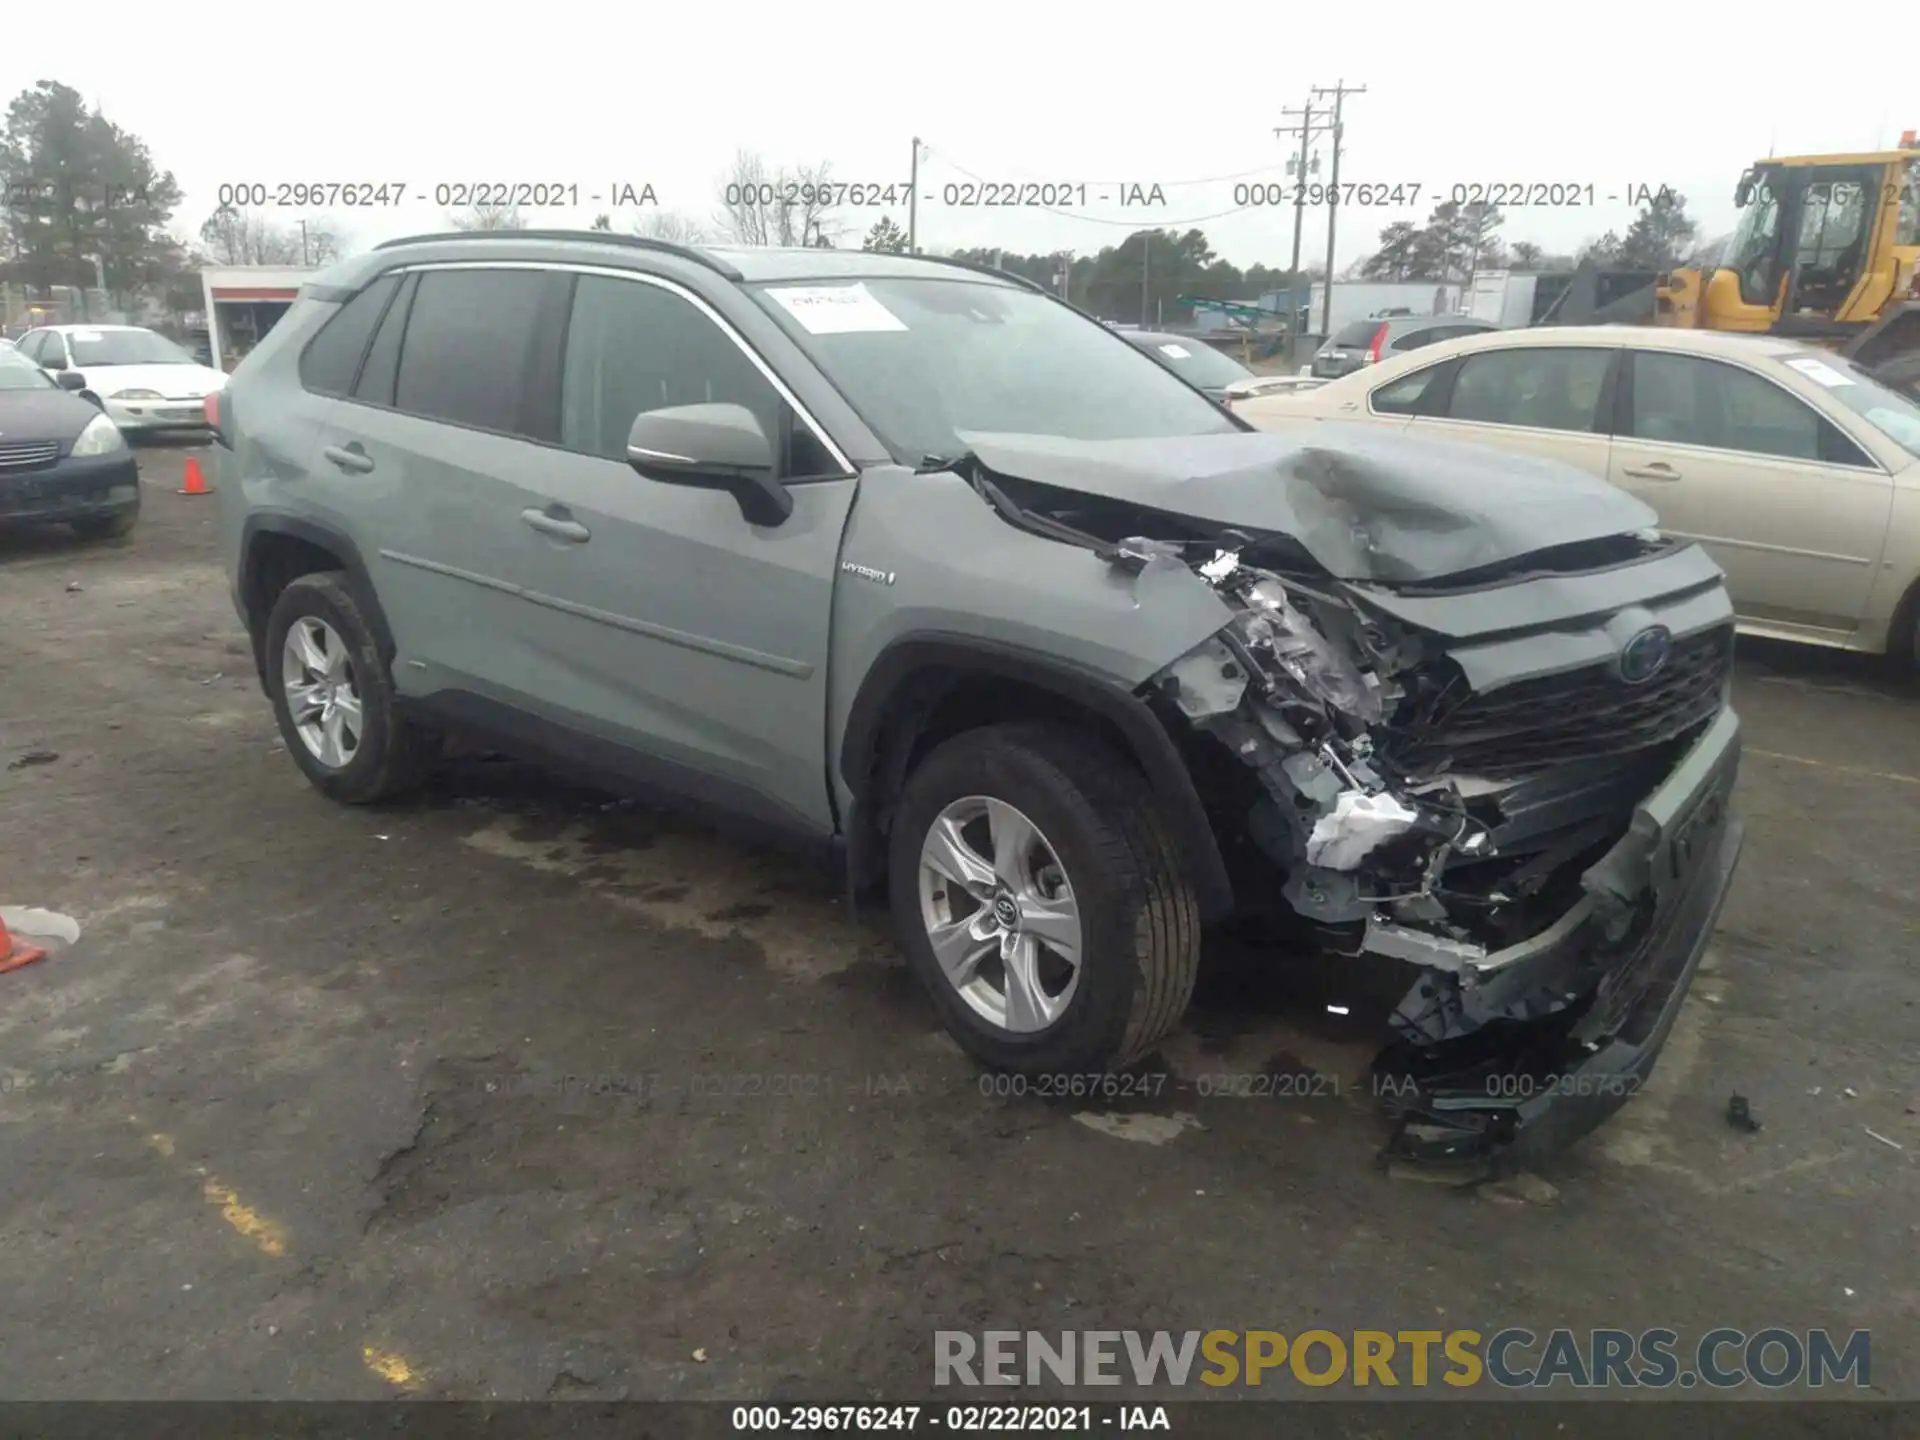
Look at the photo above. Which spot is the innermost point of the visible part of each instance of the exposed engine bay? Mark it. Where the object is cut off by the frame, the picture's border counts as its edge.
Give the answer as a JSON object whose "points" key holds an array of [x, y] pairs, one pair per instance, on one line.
{"points": [[1401, 810]]}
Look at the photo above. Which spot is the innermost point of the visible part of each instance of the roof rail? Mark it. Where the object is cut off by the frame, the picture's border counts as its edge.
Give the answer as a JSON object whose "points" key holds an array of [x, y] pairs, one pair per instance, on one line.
{"points": [[598, 237], [986, 270]]}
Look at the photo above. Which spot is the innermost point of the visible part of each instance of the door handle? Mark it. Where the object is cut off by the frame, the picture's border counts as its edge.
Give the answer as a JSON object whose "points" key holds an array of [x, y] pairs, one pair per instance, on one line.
{"points": [[349, 457], [556, 527], [1658, 470]]}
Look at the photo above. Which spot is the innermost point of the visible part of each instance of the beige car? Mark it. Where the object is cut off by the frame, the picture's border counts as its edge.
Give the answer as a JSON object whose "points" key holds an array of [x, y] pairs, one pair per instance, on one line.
{"points": [[1797, 472]]}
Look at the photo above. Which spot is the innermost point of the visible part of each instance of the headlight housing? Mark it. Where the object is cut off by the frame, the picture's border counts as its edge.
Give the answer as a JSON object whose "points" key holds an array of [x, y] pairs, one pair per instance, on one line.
{"points": [[135, 395], [101, 437]]}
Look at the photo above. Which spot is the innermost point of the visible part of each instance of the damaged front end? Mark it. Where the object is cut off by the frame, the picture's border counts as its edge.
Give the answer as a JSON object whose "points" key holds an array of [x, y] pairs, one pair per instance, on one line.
{"points": [[1546, 848], [1513, 781]]}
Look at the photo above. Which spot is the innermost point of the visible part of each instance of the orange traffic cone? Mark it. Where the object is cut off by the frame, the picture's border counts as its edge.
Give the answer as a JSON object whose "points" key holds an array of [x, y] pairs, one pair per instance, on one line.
{"points": [[196, 483], [15, 953]]}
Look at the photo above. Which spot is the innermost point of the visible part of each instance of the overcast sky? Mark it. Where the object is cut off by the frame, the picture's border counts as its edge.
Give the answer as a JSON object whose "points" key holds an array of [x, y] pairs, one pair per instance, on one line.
{"points": [[1070, 92]]}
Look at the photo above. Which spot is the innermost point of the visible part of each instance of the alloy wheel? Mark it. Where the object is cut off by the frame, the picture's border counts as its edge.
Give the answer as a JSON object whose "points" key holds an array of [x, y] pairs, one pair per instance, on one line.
{"points": [[1000, 914], [323, 697]]}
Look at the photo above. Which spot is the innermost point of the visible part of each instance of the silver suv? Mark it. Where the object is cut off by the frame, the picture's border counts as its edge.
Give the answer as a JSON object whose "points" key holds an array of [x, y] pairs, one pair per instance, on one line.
{"points": [[916, 563], [1368, 342]]}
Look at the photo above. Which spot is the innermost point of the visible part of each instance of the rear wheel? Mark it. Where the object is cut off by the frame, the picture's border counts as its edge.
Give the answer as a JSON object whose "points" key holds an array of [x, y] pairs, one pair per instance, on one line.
{"points": [[1040, 902], [333, 695]]}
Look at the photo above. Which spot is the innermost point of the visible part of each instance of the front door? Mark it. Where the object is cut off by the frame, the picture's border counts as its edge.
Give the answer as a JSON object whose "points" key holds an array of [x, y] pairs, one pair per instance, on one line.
{"points": [[667, 621]]}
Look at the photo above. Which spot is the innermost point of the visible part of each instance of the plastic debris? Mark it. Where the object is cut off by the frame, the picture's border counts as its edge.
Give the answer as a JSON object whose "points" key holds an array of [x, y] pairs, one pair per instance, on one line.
{"points": [[1358, 824], [35, 757], [1740, 1114], [700, 1357], [1883, 1139], [46, 924]]}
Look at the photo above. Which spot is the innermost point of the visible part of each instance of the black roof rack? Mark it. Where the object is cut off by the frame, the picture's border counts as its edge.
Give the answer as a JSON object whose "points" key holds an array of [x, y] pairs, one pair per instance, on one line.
{"points": [[598, 237], [986, 270]]}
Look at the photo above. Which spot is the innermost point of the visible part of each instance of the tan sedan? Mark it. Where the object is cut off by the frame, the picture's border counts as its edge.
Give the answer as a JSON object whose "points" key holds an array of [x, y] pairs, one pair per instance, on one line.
{"points": [[1797, 472]]}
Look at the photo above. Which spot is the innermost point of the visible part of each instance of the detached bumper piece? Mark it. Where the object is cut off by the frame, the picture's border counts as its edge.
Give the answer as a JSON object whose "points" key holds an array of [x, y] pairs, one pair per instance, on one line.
{"points": [[1573, 1020]]}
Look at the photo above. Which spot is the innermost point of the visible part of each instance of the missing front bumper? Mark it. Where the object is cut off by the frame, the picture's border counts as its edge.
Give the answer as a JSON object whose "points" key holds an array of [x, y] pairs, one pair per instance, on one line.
{"points": [[1520, 1087]]}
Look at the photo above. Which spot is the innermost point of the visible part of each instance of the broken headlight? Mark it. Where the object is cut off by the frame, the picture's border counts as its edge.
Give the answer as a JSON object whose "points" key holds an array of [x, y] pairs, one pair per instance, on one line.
{"points": [[1272, 627]]}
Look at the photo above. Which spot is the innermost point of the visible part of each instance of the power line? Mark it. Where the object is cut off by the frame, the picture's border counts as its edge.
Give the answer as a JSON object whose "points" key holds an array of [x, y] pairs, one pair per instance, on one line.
{"points": [[1130, 180], [1142, 224]]}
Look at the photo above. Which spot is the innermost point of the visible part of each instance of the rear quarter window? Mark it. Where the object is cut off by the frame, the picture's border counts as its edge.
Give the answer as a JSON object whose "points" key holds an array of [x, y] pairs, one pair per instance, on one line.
{"points": [[332, 358]]}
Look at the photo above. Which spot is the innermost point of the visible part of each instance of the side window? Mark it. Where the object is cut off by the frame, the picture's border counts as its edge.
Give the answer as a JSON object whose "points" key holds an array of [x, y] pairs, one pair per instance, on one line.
{"points": [[332, 357], [1414, 339], [30, 344], [1543, 389], [382, 365], [633, 347], [1684, 400], [1404, 395], [469, 340]]}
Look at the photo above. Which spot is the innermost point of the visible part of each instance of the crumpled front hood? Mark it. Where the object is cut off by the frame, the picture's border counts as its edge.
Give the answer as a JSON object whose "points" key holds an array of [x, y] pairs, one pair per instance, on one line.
{"points": [[1366, 504]]}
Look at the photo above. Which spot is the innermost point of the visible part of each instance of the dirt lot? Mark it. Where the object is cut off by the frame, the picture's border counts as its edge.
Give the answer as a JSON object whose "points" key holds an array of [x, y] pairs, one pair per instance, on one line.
{"points": [[289, 1120]]}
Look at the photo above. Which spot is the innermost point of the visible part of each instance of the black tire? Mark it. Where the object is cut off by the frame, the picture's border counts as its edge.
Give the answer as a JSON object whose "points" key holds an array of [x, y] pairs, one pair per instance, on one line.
{"points": [[117, 526], [392, 756], [1140, 923]]}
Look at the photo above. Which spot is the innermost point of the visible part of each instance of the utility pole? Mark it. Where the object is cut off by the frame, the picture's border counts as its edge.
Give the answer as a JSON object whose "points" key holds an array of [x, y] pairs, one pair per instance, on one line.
{"points": [[1146, 265], [1339, 92], [913, 201], [303, 244], [1298, 169]]}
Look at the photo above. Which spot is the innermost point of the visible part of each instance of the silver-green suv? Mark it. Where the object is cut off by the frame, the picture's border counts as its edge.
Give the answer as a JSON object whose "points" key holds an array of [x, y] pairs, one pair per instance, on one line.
{"points": [[914, 562]]}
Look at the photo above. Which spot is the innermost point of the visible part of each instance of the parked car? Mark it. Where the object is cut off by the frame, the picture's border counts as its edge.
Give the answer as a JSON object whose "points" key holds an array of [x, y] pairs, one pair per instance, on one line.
{"points": [[908, 560], [1797, 470], [1368, 342], [60, 458], [144, 381], [1206, 367]]}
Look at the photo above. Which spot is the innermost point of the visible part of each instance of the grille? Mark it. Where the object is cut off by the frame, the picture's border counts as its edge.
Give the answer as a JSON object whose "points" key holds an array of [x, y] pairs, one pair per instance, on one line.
{"points": [[27, 454], [1585, 714]]}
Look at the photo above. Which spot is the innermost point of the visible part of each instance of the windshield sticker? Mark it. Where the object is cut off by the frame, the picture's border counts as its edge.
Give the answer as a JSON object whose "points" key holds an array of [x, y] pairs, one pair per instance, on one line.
{"points": [[1820, 373], [1176, 352], [836, 309], [85, 335]]}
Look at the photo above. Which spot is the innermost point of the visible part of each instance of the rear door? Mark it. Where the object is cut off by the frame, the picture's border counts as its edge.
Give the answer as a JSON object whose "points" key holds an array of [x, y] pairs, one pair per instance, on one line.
{"points": [[1541, 400], [666, 622], [434, 455], [1792, 509]]}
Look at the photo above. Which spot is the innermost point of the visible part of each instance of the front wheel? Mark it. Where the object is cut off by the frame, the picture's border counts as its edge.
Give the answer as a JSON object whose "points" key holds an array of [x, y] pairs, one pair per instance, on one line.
{"points": [[1040, 902]]}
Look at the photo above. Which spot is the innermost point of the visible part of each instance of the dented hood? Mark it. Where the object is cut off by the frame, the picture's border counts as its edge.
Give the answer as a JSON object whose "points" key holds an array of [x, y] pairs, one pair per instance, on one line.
{"points": [[1365, 503]]}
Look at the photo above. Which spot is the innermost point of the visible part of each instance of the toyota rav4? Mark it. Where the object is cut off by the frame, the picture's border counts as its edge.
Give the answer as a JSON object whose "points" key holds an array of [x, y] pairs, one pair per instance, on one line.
{"points": [[914, 561]]}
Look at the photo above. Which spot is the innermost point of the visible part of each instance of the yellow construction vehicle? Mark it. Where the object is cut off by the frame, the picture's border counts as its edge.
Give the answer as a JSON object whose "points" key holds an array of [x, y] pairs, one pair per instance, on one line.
{"points": [[1828, 250]]}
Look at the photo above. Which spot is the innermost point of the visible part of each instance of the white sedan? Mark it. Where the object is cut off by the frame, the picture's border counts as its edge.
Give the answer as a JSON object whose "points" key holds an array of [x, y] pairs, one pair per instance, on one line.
{"points": [[1797, 471], [143, 380]]}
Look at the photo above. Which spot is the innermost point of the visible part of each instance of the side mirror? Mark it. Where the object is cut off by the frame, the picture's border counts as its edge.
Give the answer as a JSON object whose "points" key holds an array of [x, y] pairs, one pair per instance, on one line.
{"points": [[69, 379], [717, 447]]}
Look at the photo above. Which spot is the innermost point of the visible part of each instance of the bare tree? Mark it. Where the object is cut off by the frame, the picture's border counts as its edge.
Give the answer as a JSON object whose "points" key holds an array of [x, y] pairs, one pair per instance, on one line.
{"points": [[489, 217], [672, 226], [241, 237], [762, 206]]}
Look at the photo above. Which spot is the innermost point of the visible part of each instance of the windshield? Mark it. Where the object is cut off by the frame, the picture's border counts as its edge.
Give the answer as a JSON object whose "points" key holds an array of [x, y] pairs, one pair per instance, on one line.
{"points": [[1886, 410], [925, 362], [124, 347], [1195, 361], [19, 373]]}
